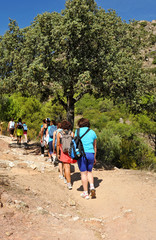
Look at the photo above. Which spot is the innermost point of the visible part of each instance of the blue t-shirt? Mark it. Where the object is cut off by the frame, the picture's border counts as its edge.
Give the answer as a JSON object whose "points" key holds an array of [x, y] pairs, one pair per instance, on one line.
{"points": [[50, 139], [88, 139]]}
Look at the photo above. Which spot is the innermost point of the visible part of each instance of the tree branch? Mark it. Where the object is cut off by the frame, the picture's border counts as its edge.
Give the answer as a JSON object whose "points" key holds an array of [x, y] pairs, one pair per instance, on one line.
{"points": [[81, 95], [62, 102]]}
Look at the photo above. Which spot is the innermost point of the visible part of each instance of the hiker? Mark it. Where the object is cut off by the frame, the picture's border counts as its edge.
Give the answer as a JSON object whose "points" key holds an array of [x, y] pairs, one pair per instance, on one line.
{"points": [[42, 134], [25, 129], [11, 128], [86, 162], [19, 128], [60, 165], [62, 154], [49, 133]]}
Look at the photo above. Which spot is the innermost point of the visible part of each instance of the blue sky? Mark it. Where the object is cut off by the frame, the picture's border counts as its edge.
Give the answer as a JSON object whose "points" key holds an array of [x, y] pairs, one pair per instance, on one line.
{"points": [[25, 11]]}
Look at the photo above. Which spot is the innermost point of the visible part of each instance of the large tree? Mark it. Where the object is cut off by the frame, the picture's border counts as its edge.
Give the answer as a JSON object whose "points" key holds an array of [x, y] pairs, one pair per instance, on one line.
{"points": [[83, 49]]}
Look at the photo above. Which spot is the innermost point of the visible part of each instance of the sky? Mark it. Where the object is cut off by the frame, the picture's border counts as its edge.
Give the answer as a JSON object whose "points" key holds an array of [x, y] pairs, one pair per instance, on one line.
{"points": [[24, 12]]}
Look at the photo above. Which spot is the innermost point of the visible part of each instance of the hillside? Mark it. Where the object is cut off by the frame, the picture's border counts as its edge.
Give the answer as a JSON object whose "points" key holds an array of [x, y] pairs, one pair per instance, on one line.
{"points": [[149, 52]]}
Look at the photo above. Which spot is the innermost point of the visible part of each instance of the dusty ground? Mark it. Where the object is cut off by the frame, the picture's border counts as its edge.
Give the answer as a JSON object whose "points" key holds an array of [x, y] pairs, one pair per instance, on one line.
{"points": [[36, 205]]}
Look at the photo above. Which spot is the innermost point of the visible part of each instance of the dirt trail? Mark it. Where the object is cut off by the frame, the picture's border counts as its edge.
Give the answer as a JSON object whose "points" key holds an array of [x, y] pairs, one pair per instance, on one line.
{"points": [[36, 205]]}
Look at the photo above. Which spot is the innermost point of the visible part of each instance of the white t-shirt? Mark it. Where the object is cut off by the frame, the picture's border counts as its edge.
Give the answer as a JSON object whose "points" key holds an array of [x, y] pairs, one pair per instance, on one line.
{"points": [[12, 124]]}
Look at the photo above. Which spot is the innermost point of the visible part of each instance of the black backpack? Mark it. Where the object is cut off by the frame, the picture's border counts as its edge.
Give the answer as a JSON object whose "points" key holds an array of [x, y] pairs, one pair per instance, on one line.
{"points": [[76, 147]]}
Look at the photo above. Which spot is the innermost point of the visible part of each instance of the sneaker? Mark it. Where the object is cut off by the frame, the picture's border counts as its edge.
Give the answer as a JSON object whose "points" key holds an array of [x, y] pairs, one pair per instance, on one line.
{"points": [[93, 193], [42, 155], [69, 186], [65, 181], [49, 160], [84, 195], [61, 177]]}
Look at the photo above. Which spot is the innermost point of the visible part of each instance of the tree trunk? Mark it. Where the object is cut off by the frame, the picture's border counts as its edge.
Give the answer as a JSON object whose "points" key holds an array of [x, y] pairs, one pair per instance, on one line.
{"points": [[70, 108]]}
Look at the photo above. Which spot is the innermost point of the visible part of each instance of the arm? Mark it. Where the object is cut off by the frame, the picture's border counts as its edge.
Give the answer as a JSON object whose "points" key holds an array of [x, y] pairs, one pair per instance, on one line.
{"points": [[41, 133], [8, 126], [58, 146], [54, 134], [95, 149]]}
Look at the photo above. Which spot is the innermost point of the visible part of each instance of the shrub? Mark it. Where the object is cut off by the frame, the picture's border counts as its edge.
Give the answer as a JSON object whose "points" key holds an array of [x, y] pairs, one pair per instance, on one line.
{"points": [[154, 61], [143, 24], [108, 147]]}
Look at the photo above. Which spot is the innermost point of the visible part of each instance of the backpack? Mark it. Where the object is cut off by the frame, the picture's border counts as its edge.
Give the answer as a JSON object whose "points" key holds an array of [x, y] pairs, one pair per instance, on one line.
{"points": [[20, 126], [76, 146], [52, 130], [25, 127], [66, 140]]}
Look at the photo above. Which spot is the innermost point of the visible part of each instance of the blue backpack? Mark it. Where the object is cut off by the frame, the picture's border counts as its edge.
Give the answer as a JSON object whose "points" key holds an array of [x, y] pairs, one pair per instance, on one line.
{"points": [[76, 150], [25, 127], [52, 130]]}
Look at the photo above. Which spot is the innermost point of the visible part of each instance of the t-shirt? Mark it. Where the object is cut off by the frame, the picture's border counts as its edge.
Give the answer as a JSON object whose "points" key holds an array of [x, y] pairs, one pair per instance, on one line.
{"points": [[12, 124], [88, 139]]}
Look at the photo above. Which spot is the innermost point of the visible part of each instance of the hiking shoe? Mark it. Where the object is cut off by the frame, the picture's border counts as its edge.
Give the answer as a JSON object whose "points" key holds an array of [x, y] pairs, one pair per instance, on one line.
{"points": [[65, 181], [61, 177], [49, 160], [93, 193], [84, 195], [69, 186]]}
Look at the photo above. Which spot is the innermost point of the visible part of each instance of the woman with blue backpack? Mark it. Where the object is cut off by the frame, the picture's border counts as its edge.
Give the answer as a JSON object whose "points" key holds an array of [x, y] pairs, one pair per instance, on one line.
{"points": [[87, 161], [51, 128], [25, 131]]}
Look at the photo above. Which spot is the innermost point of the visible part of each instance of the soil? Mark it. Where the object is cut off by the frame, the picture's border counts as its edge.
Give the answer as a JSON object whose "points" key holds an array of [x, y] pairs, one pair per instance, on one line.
{"points": [[36, 205]]}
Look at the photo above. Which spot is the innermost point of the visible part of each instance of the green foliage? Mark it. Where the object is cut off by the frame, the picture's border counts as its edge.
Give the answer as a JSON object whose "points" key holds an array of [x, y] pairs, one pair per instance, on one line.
{"points": [[17, 107], [143, 24], [82, 50], [154, 61], [108, 147], [119, 144], [135, 154]]}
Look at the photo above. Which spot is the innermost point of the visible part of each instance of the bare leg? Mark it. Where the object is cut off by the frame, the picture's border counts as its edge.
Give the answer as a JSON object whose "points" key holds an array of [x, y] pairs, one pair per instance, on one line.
{"points": [[67, 172], [84, 180], [90, 178], [61, 168]]}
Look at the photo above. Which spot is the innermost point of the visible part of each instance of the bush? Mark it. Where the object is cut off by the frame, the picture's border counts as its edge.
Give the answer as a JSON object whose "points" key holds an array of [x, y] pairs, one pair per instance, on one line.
{"points": [[108, 147], [143, 24], [154, 61], [31, 110]]}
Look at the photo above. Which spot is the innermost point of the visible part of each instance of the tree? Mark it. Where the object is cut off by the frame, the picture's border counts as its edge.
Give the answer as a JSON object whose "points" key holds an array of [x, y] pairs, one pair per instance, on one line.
{"points": [[82, 50]]}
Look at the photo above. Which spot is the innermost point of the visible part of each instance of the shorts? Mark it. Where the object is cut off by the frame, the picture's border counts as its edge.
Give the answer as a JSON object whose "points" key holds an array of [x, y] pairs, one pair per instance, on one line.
{"points": [[25, 132], [11, 131], [86, 164], [50, 147], [19, 132]]}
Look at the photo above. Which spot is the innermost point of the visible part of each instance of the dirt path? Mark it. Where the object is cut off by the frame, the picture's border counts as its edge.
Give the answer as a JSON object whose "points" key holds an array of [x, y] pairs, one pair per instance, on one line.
{"points": [[36, 204]]}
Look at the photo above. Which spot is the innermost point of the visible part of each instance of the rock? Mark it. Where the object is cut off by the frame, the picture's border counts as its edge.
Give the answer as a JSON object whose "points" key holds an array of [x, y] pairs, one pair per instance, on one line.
{"points": [[11, 164], [9, 233], [75, 218], [33, 166], [20, 204], [42, 210], [72, 202]]}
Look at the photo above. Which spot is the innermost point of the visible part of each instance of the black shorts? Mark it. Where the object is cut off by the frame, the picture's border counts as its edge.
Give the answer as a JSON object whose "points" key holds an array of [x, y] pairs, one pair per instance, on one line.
{"points": [[11, 131]]}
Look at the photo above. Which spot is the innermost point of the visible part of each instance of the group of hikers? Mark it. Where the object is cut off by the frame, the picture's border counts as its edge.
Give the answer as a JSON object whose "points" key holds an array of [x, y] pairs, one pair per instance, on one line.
{"points": [[20, 128], [64, 148], [63, 142]]}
